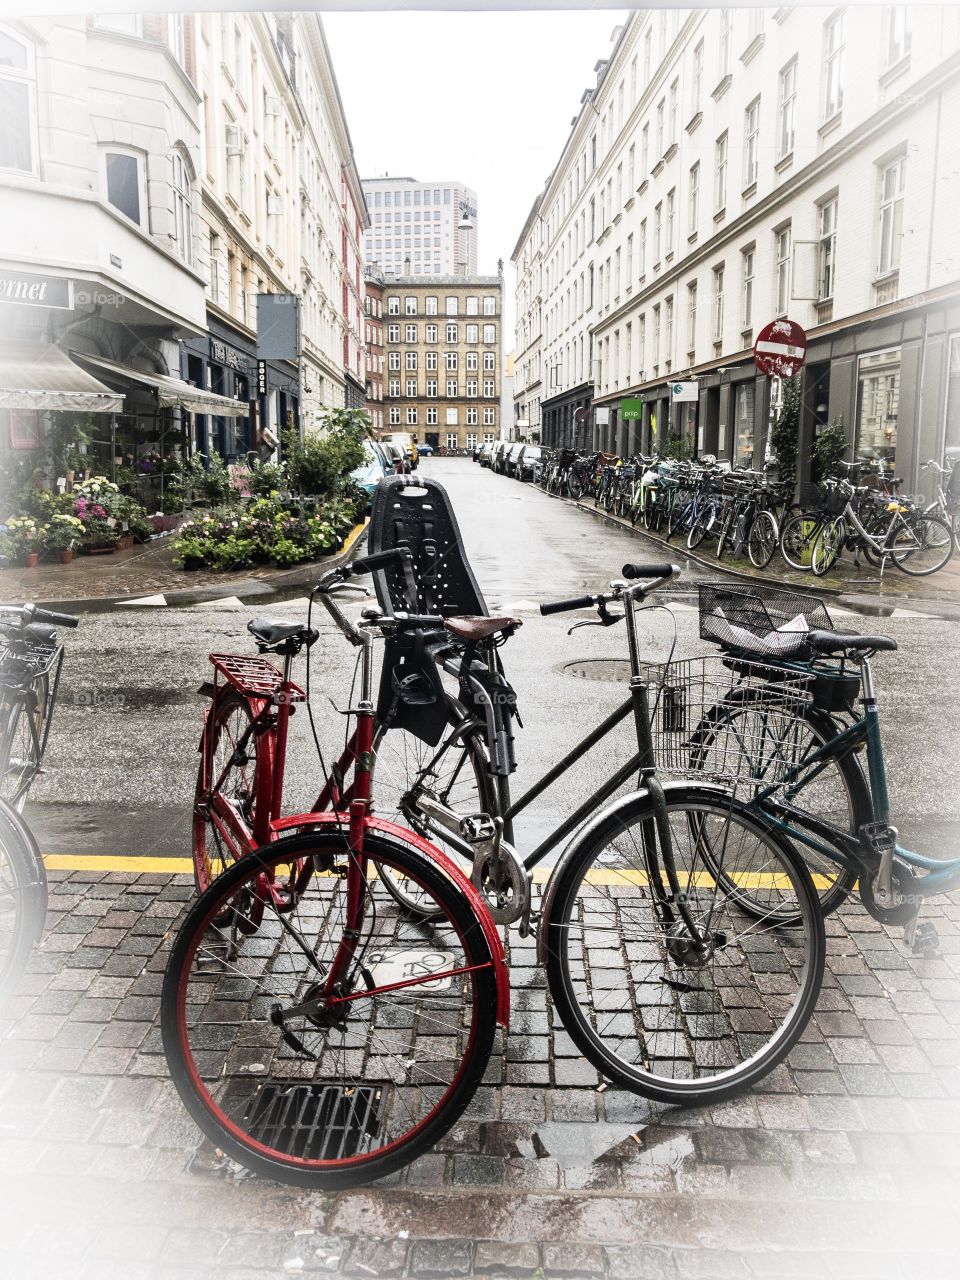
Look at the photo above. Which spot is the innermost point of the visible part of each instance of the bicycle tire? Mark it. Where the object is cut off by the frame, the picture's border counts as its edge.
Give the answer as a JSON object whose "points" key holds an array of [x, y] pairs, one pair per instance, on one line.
{"points": [[575, 488], [23, 898], [841, 797], [219, 1062], [797, 535], [636, 1031], [723, 538], [394, 779], [936, 538], [697, 531], [20, 767], [212, 853], [827, 549], [762, 540]]}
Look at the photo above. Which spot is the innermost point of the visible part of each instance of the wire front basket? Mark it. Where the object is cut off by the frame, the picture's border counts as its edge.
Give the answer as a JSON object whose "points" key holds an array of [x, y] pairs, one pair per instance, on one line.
{"points": [[736, 616], [22, 661], [729, 720]]}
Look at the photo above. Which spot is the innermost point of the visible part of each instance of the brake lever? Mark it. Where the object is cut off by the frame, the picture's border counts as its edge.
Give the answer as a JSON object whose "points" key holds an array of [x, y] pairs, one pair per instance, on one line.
{"points": [[606, 619]]}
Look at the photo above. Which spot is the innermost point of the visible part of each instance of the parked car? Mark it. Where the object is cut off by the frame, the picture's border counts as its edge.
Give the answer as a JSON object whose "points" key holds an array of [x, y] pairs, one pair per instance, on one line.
{"points": [[406, 442], [372, 471], [512, 459], [500, 451], [529, 462], [399, 462], [486, 454], [425, 450]]}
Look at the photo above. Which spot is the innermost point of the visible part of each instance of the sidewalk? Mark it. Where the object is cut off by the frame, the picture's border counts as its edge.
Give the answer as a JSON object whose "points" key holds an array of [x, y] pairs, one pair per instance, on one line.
{"points": [[148, 570], [846, 1162]]}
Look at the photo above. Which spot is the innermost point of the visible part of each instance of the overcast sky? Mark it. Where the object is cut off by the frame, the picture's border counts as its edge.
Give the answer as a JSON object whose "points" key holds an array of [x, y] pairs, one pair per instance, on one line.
{"points": [[484, 97]]}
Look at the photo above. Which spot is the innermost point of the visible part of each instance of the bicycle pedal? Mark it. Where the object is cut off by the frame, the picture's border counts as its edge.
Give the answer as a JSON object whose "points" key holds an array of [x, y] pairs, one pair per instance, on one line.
{"points": [[478, 827], [880, 836], [926, 940]]}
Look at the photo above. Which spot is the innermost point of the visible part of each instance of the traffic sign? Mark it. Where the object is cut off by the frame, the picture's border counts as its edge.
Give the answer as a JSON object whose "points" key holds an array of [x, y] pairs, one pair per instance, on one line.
{"points": [[780, 349]]}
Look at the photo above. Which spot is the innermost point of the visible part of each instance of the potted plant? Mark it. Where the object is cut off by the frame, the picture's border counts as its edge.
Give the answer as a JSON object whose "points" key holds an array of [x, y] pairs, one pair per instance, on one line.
{"points": [[27, 539], [62, 533]]}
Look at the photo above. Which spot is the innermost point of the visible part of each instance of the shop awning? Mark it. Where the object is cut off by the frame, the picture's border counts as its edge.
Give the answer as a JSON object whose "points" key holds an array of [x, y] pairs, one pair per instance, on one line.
{"points": [[38, 375], [171, 392]]}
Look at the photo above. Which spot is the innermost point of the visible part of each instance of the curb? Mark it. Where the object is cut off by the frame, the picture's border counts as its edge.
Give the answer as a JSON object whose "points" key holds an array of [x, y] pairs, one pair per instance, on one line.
{"points": [[183, 597]]}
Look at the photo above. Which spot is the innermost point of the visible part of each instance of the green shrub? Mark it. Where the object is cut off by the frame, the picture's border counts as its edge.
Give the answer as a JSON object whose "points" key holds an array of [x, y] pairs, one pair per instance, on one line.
{"points": [[829, 450], [785, 434], [320, 464]]}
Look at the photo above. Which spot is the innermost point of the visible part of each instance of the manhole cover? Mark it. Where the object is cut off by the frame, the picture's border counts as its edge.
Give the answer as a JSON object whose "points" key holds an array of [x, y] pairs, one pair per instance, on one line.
{"points": [[615, 670]]}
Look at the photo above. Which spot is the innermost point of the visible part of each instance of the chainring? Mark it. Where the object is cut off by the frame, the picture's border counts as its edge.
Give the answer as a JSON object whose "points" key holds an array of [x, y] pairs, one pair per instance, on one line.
{"points": [[904, 886]]}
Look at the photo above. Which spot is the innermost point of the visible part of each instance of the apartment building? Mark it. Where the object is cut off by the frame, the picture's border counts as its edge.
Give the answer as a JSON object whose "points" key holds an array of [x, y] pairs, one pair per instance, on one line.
{"points": [[527, 260], [444, 365], [735, 166], [419, 223], [373, 346]]}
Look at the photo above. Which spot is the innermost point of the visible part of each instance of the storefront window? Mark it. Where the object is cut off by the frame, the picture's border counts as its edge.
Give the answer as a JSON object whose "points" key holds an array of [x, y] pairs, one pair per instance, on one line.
{"points": [[743, 452], [952, 433], [877, 404]]}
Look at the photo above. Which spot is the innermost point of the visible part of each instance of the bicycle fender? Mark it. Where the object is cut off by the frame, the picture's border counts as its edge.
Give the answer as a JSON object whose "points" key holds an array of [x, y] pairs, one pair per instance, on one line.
{"points": [[392, 830]]}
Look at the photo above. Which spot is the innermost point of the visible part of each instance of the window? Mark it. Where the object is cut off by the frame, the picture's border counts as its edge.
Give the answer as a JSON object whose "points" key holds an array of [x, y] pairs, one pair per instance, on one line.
{"points": [[489, 417], [834, 39], [411, 360], [489, 387], [450, 360], [668, 329], [410, 332], [431, 388], [431, 307], [744, 400], [692, 316], [489, 361], [431, 361], [452, 440], [644, 154], [726, 37], [411, 387], [661, 111], [671, 209], [125, 183], [393, 387], [451, 388], [489, 333], [720, 189], [393, 306], [411, 416], [628, 266], [898, 35], [657, 230], [471, 388], [788, 98], [656, 334], [748, 258], [489, 305], [718, 303], [432, 333], [473, 361], [674, 122], [451, 307], [432, 416], [696, 81], [473, 416], [18, 103], [891, 215], [783, 270], [213, 264], [751, 144], [410, 306], [827, 250], [452, 333], [393, 361], [393, 333], [394, 416], [693, 204]]}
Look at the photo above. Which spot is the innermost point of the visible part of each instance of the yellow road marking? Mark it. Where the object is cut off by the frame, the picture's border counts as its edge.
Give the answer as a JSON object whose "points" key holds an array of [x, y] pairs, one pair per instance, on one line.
{"points": [[143, 864]]}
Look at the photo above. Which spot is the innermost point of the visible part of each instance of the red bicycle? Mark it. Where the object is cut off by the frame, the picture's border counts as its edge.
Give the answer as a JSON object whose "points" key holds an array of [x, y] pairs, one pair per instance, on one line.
{"points": [[315, 1030]]}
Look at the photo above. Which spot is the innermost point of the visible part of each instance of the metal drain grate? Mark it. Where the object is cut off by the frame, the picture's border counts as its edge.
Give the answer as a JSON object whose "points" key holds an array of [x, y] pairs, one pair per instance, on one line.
{"points": [[314, 1121]]}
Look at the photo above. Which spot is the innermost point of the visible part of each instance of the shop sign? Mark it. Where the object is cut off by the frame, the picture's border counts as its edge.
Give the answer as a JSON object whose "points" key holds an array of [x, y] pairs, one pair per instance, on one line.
{"points": [[261, 377], [223, 354], [601, 417], [36, 291], [631, 410], [684, 392]]}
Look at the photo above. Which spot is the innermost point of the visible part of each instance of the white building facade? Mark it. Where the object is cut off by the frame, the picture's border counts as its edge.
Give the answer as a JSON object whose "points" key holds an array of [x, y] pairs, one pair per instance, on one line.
{"points": [[415, 227], [736, 166]]}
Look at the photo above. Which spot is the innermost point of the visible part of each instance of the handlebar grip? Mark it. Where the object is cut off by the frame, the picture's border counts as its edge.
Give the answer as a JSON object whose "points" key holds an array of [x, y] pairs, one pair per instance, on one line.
{"points": [[55, 619], [649, 570], [378, 560], [563, 606]]}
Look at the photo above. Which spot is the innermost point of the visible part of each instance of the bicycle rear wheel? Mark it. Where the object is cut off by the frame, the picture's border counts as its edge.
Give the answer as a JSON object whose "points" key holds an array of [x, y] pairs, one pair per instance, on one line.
{"points": [[670, 1018], [762, 540], [22, 713], [797, 536], [825, 552], [923, 546], [324, 1092], [23, 898]]}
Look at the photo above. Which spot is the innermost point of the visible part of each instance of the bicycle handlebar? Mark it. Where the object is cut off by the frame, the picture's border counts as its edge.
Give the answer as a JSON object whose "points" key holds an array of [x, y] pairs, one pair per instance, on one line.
{"points": [[650, 570], [579, 602], [30, 613], [376, 560]]}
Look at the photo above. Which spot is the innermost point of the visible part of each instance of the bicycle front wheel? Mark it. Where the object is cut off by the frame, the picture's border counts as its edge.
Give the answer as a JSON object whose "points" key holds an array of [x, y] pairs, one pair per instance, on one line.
{"points": [[825, 552], [678, 1018], [922, 546], [797, 537], [322, 1089], [22, 713], [23, 898], [762, 540]]}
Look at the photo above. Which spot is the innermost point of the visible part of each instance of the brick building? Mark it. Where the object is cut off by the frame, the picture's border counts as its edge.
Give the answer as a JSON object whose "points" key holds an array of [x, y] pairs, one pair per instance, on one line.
{"points": [[373, 341]]}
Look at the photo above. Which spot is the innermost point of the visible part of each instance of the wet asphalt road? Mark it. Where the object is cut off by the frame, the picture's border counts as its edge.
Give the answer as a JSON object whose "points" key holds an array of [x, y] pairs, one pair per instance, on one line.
{"points": [[122, 760]]}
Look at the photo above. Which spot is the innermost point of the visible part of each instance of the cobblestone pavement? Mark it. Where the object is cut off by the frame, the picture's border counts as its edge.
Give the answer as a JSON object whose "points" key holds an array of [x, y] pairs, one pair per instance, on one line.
{"points": [[844, 1163]]}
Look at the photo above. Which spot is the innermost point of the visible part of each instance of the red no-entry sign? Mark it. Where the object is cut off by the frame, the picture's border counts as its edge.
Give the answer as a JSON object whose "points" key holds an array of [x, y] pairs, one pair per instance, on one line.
{"points": [[780, 349]]}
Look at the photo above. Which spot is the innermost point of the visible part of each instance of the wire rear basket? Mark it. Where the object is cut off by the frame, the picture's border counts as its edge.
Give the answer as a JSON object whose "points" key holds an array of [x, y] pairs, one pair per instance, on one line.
{"points": [[735, 616], [729, 721], [22, 661]]}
